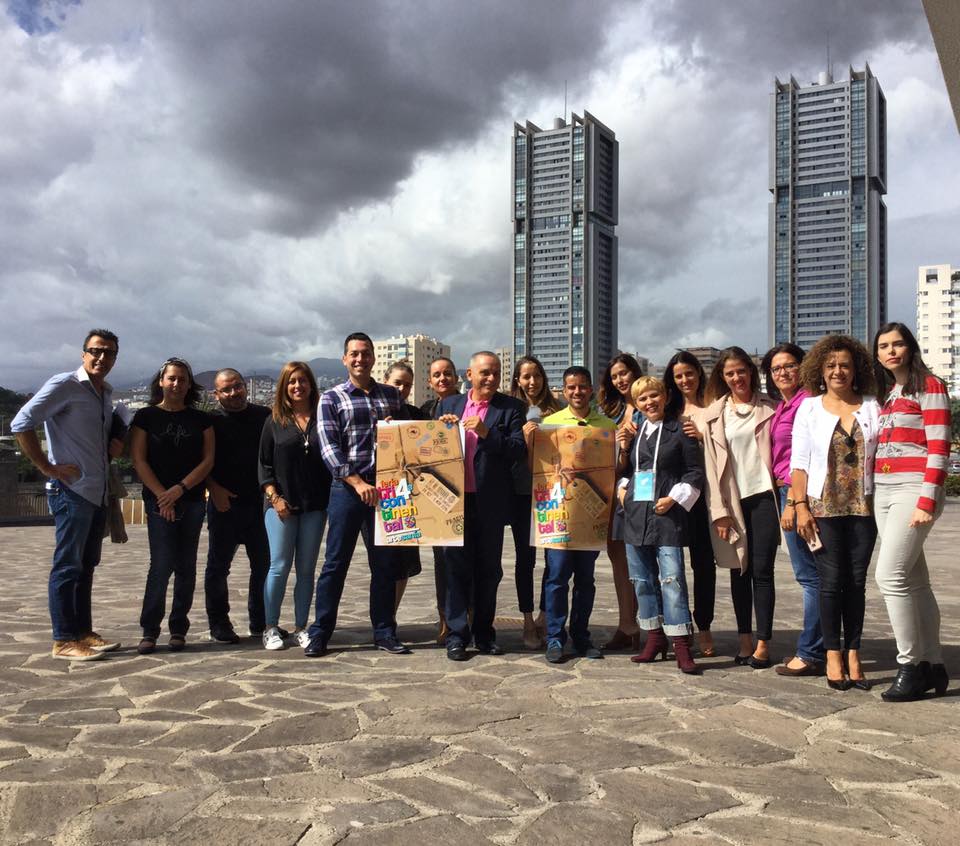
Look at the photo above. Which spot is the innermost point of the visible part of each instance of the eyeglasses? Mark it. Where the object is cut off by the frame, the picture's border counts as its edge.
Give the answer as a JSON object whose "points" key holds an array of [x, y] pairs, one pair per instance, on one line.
{"points": [[100, 352], [784, 368]]}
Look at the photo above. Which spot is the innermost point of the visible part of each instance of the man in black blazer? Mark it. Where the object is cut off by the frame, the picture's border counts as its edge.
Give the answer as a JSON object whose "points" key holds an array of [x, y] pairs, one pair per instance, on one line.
{"points": [[493, 435]]}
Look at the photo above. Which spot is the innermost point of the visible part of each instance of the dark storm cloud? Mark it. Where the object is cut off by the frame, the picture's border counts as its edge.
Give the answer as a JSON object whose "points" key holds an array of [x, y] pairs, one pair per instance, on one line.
{"points": [[327, 111], [738, 38]]}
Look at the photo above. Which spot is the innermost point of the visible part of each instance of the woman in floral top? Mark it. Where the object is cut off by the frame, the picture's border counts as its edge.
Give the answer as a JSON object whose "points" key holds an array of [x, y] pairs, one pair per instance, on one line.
{"points": [[834, 440]]}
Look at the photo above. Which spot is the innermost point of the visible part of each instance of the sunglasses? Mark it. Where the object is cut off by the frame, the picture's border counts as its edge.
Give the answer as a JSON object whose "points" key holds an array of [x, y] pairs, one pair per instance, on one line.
{"points": [[100, 352]]}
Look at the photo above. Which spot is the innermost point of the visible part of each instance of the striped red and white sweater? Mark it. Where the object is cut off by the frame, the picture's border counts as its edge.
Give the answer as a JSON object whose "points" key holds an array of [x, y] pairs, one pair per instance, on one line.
{"points": [[914, 442]]}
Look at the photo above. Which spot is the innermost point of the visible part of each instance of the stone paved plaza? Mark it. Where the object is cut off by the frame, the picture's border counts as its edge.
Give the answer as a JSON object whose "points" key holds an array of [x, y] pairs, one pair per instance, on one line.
{"points": [[236, 745]]}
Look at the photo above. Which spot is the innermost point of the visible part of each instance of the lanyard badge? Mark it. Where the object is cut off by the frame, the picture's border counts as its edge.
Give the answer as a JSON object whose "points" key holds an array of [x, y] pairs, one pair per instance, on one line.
{"points": [[645, 481]]}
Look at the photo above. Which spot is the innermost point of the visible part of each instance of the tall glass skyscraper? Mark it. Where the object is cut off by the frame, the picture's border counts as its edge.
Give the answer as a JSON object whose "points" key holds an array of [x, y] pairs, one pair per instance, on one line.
{"points": [[827, 268], [564, 245]]}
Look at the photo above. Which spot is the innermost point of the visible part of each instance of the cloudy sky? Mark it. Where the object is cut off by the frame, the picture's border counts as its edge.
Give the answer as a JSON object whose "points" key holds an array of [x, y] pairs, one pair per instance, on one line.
{"points": [[246, 182]]}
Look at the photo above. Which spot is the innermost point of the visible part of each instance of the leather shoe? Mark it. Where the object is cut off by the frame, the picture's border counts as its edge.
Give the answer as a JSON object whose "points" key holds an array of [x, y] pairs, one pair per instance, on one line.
{"points": [[742, 660], [588, 650], [554, 652], [224, 634], [490, 648], [391, 645], [316, 648], [809, 668], [456, 652], [937, 679], [909, 685], [759, 663]]}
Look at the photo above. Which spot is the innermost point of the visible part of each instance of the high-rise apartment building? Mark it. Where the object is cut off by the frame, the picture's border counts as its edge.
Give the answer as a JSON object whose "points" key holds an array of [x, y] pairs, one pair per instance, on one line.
{"points": [[938, 322], [565, 248], [418, 351], [827, 268], [505, 354]]}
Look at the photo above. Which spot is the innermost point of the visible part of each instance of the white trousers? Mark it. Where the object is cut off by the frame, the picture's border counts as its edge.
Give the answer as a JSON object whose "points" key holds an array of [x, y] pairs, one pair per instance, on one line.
{"points": [[902, 574]]}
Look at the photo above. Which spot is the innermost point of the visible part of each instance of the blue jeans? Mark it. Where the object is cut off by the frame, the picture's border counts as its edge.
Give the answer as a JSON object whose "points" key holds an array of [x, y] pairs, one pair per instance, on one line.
{"points": [[226, 530], [810, 642], [347, 513], [173, 551], [294, 540], [78, 530], [668, 608], [561, 565]]}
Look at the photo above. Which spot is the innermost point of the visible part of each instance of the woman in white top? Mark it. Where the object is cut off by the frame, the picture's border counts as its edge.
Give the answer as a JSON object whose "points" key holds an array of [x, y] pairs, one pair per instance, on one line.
{"points": [[834, 442], [745, 520]]}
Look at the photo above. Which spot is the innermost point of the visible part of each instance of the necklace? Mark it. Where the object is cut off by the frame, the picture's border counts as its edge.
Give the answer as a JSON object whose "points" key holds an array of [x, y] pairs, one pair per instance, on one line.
{"points": [[304, 433], [742, 410]]}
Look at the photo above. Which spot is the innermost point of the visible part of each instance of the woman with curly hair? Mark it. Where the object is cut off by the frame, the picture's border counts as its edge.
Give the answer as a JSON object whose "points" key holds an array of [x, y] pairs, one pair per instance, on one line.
{"points": [[745, 523], [172, 448], [529, 385], [911, 470], [615, 401], [834, 441], [685, 382]]}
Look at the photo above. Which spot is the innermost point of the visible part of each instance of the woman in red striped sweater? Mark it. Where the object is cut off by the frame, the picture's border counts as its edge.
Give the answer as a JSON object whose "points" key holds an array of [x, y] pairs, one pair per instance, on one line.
{"points": [[910, 471]]}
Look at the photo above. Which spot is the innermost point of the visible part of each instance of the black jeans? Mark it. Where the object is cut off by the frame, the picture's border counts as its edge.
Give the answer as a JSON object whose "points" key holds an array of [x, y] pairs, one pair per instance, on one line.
{"points": [[702, 565], [755, 587], [227, 530], [476, 564], [173, 552], [842, 564], [526, 555]]}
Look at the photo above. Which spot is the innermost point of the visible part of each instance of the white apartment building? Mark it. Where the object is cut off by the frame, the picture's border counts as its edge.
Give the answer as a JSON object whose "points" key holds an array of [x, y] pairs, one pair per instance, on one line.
{"points": [[938, 321], [418, 351]]}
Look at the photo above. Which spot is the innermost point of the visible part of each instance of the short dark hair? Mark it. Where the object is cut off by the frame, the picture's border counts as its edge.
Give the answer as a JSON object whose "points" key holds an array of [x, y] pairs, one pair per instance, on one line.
{"points": [[577, 370], [443, 358], [767, 365], [106, 334], [229, 371], [356, 336]]}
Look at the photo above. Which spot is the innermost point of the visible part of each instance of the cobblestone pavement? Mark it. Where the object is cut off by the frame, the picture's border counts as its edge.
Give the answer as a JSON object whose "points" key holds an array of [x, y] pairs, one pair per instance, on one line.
{"points": [[237, 745]]}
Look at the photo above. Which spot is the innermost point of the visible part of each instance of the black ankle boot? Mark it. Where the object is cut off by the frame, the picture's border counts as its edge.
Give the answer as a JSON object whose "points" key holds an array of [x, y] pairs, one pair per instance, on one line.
{"points": [[910, 683], [937, 679]]}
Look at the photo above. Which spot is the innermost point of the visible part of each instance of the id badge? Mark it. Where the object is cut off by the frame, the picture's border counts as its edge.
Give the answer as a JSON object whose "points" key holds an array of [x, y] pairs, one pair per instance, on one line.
{"points": [[643, 486]]}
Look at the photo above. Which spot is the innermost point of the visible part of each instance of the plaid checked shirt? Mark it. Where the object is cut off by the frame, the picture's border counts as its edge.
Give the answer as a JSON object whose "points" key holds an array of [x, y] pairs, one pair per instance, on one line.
{"points": [[348, 427]]}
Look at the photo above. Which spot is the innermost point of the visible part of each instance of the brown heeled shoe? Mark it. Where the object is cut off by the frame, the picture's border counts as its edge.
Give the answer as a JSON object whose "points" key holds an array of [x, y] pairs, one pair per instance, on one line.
{"points": [[656, 643], [681, 648]]}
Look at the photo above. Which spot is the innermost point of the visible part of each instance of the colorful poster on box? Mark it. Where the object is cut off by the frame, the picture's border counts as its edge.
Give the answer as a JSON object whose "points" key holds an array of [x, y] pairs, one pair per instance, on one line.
{"points": [[419, 484], [573, 483]]}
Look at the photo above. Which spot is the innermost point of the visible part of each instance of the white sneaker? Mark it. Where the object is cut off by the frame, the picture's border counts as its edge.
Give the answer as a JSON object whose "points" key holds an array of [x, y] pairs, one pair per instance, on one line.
{"points": [[303, 639], [272, 639]]}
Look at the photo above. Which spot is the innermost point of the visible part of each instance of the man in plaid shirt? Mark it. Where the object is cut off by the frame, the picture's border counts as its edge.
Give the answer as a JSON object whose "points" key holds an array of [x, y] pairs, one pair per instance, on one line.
{"points": [[348, 416]]}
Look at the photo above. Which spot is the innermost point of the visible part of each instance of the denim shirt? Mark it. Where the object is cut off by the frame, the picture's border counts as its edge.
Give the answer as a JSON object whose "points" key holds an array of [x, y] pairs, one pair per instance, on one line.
{"points": [[77, 422]]}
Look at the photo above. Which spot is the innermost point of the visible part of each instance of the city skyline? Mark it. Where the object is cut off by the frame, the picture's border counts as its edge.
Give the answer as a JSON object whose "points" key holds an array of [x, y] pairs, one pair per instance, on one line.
{"points": [[231, 183]]}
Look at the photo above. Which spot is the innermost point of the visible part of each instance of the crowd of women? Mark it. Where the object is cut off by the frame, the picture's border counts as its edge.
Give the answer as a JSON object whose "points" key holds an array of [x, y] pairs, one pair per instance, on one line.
{"points": [[831, 450]]}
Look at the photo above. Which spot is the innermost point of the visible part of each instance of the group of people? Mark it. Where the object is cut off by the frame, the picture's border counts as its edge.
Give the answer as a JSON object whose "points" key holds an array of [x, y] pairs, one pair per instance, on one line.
{"points": [[841, 447]]}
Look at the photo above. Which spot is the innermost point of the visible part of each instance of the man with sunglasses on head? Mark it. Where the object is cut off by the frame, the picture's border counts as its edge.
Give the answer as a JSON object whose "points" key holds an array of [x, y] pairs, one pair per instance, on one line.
{"points": [[76, 412]]}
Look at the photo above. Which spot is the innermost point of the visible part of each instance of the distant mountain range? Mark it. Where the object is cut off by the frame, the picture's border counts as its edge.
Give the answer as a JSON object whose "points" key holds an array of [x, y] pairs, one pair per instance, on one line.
{"points": [[329, 368]]}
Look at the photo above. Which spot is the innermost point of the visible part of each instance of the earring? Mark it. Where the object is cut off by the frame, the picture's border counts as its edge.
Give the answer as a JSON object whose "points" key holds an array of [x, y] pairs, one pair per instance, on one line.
{"points": [[823, 387]]}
